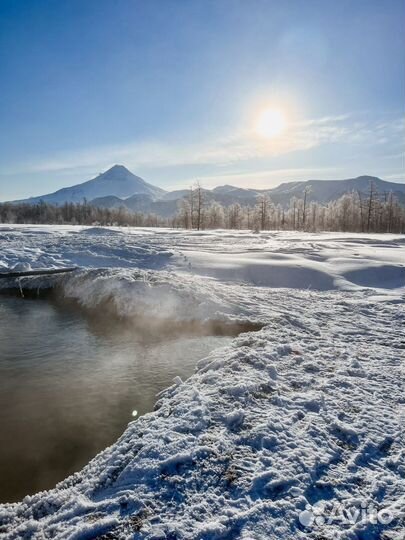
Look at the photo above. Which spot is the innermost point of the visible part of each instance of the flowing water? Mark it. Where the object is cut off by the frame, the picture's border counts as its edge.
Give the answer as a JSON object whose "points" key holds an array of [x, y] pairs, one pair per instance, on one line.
{"points": [[69, 384]]}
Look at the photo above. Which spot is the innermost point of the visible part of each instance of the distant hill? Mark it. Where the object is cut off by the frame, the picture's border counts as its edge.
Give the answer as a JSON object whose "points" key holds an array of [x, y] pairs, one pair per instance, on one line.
{"points": [[119, 187], [117, 182], [324, 191]]}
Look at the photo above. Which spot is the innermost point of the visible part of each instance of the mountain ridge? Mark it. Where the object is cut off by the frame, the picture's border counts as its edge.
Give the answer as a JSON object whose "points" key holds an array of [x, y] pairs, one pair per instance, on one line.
{"points": [[120, 188]]}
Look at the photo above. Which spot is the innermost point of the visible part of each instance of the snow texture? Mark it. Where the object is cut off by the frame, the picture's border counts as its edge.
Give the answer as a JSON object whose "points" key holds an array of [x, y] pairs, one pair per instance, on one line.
{"points": [[303, 414]]}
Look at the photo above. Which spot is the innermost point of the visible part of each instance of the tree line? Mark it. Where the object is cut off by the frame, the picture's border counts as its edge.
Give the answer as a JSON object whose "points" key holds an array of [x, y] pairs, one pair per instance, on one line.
{"points": [[75, 214], [353, 212]]}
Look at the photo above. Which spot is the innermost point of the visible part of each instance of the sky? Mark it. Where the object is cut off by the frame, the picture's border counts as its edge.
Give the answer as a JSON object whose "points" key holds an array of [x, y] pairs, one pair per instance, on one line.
{"points": [[175, 91]]}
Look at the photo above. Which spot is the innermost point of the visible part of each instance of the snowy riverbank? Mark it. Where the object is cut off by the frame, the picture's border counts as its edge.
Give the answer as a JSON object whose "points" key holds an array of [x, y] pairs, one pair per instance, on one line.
{"points": [[283, 425]]}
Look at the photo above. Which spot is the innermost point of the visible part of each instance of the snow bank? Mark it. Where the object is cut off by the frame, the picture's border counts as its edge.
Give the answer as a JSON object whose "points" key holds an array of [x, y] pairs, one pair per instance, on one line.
{"points": [[270, 435], [270, 259], [147, 294], [244, 446]]}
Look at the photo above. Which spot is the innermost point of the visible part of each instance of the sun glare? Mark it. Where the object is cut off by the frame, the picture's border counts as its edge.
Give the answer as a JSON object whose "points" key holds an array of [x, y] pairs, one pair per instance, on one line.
{"points": [[270, 122]]}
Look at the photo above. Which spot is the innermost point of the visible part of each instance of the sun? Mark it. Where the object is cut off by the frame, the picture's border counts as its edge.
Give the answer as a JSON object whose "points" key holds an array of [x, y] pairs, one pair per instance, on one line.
{"points": [[270, 122]]}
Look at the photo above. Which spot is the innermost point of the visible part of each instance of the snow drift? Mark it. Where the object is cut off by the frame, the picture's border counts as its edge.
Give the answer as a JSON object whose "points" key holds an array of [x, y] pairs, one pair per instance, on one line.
{"points": [[290, 421]]}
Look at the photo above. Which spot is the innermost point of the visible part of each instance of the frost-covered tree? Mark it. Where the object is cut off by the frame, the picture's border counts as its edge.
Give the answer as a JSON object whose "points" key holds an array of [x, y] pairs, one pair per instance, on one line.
{"points": [[235, 216], [262, 211], [354, 212], [184, 213], [215, 216]]}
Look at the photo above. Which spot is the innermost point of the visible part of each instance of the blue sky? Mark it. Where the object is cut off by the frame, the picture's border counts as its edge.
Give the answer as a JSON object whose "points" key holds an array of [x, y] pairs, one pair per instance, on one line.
{"points": [[172, 88]]}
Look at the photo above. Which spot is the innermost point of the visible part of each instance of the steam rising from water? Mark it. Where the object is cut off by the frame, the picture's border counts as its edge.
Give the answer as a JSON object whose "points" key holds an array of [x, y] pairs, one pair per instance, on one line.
{"points": [[76, 368]]}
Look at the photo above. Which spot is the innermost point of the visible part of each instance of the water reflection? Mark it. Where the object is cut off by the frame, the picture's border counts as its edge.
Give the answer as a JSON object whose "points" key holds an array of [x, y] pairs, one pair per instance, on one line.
{"points": [[69, 384]]}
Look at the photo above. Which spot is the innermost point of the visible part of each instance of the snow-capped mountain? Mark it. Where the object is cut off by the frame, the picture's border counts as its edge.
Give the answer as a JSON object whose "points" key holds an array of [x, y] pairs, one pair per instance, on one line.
{"points": [[117, 181], [119, 187], [324, 191]]}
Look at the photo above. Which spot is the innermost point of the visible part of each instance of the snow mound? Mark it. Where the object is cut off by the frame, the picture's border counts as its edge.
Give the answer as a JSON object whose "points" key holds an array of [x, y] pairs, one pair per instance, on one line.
{"points": [[274, 272], [21, 267], [101, 231], [384, 276], [152, 296], [290, 260]]}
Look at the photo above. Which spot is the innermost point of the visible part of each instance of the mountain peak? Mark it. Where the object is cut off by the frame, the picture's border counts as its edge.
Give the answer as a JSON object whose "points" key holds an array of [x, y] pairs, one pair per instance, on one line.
{"points": [[117, 172], [117, 181], [224, 188], [117, 167]]}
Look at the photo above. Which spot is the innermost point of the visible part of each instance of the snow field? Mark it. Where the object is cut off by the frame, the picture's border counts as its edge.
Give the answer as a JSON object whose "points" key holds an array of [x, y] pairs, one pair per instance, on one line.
{"points": [[308, 411]]}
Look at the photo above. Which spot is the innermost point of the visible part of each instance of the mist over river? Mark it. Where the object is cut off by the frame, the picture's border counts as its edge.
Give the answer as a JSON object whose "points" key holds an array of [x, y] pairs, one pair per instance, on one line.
{"points": [[70, 383]]}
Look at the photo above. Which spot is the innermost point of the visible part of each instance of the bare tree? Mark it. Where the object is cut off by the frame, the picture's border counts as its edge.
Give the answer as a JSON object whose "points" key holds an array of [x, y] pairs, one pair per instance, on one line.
{"points": [[351, 212], [370, 205], [199, 198], [215, 216], [184, 213], [307, 190], [262, 209], [192, 207], [390, 203]]}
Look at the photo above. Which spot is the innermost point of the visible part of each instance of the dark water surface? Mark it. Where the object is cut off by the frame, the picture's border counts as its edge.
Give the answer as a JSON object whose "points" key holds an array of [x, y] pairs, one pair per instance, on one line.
{"points": [[69, 384]]}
